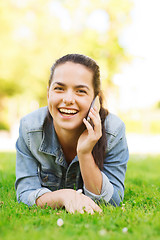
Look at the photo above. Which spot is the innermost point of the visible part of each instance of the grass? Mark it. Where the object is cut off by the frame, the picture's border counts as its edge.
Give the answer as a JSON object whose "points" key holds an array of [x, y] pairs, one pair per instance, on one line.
{"points": [[140, 214]]}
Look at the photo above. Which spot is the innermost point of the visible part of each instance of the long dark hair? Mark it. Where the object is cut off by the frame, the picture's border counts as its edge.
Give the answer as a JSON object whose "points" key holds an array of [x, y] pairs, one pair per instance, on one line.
{"points": [[99, 148]]}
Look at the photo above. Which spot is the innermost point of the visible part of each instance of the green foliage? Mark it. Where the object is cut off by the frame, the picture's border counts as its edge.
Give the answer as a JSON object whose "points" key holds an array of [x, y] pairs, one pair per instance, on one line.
{"points": [[4, 126], [142, 122], [157, 105], [139, 213], [35, 33], [138, 126]]}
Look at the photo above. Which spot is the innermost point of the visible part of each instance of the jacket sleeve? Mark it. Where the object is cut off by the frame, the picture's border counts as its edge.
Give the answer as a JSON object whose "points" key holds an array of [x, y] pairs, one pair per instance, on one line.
{"points": [[114, 169], [115, 163], [27, 185]]}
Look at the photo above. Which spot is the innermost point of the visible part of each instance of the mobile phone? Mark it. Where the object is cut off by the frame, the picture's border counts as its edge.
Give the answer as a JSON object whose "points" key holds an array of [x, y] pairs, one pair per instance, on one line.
{"points": [[94, 103]]}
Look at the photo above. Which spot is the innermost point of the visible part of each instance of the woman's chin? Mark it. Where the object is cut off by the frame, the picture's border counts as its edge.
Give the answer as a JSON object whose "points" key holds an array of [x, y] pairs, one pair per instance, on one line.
{"points": [[70, 126]]}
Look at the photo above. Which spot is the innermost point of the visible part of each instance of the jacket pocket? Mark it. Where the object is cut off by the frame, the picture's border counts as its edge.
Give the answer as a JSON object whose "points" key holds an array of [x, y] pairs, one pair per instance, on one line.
{"points": [[49, 179]]}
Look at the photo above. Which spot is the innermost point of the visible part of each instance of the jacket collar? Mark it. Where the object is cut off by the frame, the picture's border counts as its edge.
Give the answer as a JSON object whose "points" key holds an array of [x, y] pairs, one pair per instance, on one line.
{"points": [[49, 143]]}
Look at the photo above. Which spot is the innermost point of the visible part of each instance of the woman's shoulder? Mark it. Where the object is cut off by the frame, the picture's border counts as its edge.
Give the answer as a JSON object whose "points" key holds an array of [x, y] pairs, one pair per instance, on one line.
{"points": [[113, 124], [35, 120]]}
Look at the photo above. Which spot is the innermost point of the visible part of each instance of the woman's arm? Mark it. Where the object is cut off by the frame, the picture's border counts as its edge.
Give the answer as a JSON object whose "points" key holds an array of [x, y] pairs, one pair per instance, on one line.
{"points": [[29, 189], [90, 172], [109, 183], [27, 184], [115, 163]]}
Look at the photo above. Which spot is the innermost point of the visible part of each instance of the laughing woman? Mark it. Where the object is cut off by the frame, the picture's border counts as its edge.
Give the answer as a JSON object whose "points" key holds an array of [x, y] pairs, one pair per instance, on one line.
{"points": [[60, 152]]}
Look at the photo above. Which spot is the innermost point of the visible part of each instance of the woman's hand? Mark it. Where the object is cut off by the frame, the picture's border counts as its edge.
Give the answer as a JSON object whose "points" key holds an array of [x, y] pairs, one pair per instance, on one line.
{"points": [[74, 201], [91, 135], [70, 199]]}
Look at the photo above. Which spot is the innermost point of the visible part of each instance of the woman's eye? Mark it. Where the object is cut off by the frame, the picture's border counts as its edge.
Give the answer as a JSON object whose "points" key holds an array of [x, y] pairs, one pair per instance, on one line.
{"points": [[81, 91], [58, 88]]}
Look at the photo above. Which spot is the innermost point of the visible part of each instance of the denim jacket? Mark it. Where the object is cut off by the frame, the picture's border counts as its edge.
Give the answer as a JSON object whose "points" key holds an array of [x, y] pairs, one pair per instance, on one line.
{"points": [[41, 165]]}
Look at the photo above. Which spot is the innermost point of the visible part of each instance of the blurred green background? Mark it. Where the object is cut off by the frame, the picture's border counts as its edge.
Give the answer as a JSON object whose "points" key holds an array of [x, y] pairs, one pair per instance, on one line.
{"points": [[34, 33]]}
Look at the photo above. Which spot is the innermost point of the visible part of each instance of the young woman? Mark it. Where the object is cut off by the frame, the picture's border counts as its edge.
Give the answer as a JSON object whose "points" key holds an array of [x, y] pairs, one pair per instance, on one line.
{"points": [[60, 152]]}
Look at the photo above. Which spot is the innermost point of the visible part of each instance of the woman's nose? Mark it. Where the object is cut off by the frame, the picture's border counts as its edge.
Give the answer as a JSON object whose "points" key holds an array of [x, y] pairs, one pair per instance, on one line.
{"points": [[69, 99]]}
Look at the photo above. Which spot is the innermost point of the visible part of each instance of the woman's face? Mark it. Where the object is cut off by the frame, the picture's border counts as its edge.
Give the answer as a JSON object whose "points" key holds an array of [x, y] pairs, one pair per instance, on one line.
{"points": [[70, 95]]}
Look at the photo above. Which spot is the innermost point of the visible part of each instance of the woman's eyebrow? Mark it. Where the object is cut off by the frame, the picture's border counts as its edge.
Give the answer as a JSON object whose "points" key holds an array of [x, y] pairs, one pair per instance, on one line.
{"points": [[82, 86], [59, 83], [76, 86]]}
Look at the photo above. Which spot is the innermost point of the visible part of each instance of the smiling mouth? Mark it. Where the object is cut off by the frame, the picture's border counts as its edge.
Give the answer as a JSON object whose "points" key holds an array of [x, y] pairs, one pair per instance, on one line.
{"points": [[67, 111]]}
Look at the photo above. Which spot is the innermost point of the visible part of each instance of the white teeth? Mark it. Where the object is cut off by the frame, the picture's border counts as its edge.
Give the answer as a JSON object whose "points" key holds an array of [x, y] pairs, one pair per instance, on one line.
{"points": [[62, 110]]}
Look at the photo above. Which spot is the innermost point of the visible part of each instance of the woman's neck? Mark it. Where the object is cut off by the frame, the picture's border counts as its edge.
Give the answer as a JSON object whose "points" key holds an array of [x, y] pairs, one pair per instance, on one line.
{"points": [[68, 140]]}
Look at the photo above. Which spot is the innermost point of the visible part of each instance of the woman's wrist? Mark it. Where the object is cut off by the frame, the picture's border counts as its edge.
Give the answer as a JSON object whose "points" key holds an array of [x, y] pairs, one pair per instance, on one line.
{"points": [[85, 158], [90, 172], [53, 199], [83, 155]]}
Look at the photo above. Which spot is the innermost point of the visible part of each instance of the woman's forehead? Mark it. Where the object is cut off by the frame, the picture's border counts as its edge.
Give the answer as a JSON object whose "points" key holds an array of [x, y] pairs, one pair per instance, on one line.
{"points": [[67, 66], [76, 72]]}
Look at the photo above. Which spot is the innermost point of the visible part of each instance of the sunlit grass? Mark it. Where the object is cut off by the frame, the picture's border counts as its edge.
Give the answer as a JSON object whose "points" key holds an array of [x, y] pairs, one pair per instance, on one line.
{"points": [[139, 215]]}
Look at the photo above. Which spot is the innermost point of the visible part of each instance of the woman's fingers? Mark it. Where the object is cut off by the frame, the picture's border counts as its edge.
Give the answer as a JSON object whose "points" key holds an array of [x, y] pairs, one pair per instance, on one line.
{"points": [[88, 126], [94, 115], [78, 202], [97, 129], [69, 208], [89, 205], [97, 208], [81, 211], [83, 204], [89, 210]]}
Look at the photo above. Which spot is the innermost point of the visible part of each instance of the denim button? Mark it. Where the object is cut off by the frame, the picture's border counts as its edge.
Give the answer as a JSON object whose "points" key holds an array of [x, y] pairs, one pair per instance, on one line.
{"points": [[45, 179]]}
